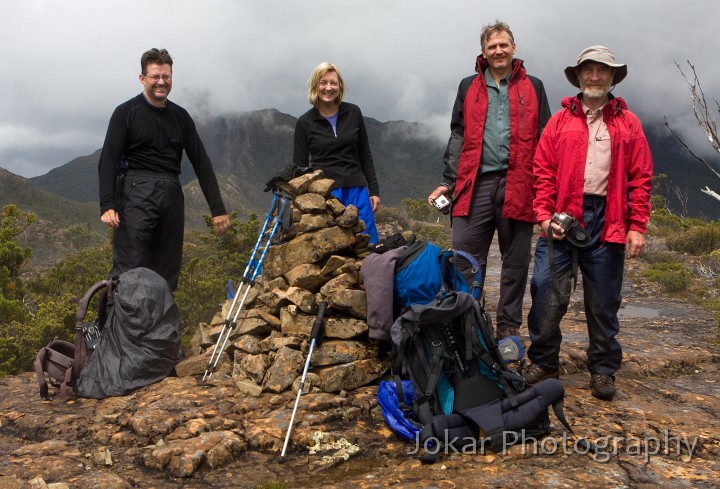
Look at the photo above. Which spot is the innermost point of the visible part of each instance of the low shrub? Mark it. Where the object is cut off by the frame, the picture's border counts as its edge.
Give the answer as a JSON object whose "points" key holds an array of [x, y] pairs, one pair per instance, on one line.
{"points": [[697, 240], [418, 209], [672, 276], [435, 234], [660, 257], [665, 223]]}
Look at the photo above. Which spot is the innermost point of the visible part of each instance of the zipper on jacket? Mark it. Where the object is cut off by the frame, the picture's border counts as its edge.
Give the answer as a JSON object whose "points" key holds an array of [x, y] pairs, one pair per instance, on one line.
{"points": [[522, 112], [332, 131]]}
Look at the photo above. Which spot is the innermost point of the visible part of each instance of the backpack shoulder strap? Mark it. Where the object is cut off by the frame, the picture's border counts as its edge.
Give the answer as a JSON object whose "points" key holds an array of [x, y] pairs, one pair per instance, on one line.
{"points": [[85, 301], [451, 274], [40, 372], [66, 382], [57, 359], [81, 353]]}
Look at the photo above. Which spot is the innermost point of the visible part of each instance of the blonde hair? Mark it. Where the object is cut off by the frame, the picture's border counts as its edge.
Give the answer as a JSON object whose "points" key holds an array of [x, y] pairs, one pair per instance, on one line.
{"points": [[314, 83]]}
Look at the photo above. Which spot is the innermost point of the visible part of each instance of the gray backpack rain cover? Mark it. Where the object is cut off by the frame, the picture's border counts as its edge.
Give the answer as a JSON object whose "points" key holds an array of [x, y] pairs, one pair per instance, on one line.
{"points": [[140, 343]]}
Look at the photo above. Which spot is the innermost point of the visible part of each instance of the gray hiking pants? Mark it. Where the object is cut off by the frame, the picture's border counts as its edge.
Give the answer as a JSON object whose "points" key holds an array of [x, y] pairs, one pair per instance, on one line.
{"points": [[474, 234]]}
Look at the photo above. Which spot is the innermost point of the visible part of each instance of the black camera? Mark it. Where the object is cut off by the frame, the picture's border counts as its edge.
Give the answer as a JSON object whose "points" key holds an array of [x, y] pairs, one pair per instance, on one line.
{"points": [[574, 232], [442, 204]]}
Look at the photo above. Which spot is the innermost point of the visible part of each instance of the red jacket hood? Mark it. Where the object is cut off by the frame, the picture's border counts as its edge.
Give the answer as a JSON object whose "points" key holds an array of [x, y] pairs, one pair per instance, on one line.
{"points": [[481, 64], [574, 104]]}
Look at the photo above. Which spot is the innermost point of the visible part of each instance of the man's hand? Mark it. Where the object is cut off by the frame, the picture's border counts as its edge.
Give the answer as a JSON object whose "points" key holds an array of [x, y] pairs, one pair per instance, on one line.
{"points": [[374, 201], [220, 224], [634, 244], [111, 218], [441, 190], [557, 231]]}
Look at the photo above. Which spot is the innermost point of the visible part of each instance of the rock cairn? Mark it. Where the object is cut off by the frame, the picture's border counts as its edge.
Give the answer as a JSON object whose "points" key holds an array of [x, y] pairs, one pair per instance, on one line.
{"points": [[317, 260]]}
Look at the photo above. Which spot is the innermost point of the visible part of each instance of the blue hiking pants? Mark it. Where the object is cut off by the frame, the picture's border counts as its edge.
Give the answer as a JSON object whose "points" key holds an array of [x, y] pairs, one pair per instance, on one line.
{"points": [[360, 198], [601, 265]]}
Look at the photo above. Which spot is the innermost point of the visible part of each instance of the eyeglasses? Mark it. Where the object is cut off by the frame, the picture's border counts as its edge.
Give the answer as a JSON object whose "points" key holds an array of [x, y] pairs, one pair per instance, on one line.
{"points": [[156, 78]]}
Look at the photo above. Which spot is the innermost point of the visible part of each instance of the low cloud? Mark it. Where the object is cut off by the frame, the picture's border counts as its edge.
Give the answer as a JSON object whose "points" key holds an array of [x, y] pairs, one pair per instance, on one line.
{"points": [[401, 59]]}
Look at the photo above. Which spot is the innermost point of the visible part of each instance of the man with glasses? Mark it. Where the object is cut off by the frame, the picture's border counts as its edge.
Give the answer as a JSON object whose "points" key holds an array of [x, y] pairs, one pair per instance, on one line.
{"points": [[140, 193]]}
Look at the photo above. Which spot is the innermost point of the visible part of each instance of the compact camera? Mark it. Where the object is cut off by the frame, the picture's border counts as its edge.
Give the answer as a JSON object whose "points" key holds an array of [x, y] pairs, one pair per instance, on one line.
{"points": [[563, 220], [442, 204], [574, 232]]}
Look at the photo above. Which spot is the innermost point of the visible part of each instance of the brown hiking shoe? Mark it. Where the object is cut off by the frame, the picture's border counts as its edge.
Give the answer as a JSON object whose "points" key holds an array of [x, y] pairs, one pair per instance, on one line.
{"points": [[602, 386], [503, 331], [535, 373]]}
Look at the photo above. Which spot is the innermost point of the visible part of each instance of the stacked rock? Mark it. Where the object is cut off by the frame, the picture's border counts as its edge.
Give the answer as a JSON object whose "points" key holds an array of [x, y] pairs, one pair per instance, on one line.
{"points": [[318, 259]]}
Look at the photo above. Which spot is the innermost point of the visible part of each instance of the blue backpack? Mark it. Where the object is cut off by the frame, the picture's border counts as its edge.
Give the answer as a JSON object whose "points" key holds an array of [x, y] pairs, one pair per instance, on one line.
{"points": [[424, 272]]}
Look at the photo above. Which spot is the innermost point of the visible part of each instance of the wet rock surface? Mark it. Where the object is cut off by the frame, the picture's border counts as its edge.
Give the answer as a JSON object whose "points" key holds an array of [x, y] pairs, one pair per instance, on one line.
{"points": [[662, 429]]}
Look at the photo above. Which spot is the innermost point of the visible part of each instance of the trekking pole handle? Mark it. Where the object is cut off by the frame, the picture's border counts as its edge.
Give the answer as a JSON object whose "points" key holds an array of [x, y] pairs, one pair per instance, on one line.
{"points": [[316, 331]]}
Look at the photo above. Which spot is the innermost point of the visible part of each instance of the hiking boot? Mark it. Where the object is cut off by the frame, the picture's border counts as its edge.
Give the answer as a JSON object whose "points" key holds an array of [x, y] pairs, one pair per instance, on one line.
{"points": [[504, 330], [602, 386], [535, 373]]}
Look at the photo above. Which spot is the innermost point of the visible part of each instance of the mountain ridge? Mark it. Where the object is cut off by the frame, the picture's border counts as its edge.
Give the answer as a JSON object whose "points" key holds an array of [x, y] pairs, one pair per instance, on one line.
{"points": [[247, 148]]}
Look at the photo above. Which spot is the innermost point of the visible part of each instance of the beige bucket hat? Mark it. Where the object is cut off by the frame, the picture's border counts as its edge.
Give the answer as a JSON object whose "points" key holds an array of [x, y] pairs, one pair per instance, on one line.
{"points": [[600, 54]]}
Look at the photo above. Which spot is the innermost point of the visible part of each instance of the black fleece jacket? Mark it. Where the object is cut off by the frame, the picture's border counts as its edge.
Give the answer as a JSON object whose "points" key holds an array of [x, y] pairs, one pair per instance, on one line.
{"points": [[141, 136], [346, 158]]}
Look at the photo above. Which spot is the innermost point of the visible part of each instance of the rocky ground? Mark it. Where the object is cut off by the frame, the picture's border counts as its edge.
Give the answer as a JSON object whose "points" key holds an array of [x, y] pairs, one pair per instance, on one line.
{"points": [[662, 430]]}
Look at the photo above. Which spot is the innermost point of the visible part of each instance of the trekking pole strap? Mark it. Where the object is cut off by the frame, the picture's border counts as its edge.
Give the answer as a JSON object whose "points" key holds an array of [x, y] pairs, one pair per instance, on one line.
{"points": [[276, 223]]}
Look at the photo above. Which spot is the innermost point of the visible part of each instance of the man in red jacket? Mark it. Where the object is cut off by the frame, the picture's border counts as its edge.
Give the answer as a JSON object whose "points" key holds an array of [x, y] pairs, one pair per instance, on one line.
{"points": [[497, 119], [593, 173]]}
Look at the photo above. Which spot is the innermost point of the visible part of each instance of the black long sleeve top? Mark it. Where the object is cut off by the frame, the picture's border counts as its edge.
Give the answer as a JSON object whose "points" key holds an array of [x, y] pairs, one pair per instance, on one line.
{"points": [[141, 136], [346, 158]]}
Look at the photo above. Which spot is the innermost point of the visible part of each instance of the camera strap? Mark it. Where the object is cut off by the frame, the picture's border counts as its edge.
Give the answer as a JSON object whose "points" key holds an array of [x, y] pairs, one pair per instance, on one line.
{"points": [[553, 270]]}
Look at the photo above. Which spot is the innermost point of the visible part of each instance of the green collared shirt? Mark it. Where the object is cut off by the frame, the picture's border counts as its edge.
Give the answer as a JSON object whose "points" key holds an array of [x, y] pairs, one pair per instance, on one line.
{"points": [[496, 138]]}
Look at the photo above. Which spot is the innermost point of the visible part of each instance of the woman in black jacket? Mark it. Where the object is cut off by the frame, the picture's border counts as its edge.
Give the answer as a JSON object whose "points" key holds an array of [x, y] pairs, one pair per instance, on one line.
{"points": [[332, 137]]}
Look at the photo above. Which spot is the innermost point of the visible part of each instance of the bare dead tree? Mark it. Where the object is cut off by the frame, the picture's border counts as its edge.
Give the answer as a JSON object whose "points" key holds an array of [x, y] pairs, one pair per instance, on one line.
{"points": [[704, 119], [682, 197]]}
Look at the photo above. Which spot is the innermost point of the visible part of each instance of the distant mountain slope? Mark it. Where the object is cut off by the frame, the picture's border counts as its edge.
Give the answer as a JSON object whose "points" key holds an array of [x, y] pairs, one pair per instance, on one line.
{"points": [[253, 146], [248, 148], [55, 214], [47, 205], [77, 180]]}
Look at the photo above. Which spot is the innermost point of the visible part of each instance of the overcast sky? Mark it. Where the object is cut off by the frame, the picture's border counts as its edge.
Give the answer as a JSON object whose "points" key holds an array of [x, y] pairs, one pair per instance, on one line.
{"points": [[68, 63]]}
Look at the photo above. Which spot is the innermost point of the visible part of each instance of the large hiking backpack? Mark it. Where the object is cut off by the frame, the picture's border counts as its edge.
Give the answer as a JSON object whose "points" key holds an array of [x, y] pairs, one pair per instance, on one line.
{"points": [[140, 344], [462, 388], [403, 272], [424, 272], [63, 361]]}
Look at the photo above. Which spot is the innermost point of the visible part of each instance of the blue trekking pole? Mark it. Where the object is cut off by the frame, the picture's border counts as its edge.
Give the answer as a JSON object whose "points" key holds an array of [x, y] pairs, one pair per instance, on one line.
{"points": [[252, 269], [315, 338], [244, 281]]}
